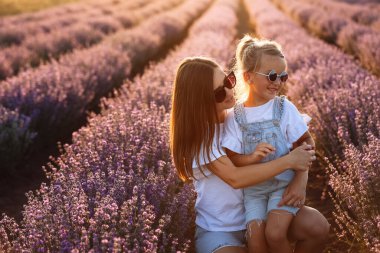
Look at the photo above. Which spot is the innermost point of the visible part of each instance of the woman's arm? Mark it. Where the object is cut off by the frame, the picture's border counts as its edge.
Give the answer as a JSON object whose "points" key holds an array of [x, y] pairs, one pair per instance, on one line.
{"points": [[239, 177], [301, 177], [295, 193]]}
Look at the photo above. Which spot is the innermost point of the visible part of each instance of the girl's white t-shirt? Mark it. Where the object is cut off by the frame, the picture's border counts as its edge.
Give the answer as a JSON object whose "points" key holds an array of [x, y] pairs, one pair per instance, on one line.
{"points": [[293, 124], [218, 206]]}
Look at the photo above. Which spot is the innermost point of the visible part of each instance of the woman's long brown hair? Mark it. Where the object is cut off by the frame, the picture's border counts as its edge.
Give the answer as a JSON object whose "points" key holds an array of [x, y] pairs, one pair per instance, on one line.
{"points": [[193, 115]]}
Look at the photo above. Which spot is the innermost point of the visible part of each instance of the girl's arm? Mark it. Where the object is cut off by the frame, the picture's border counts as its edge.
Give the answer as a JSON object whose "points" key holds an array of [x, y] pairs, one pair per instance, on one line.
{"points": [[296, 190], [261, 151], [306, 137], [302, 177], [239, 177]]}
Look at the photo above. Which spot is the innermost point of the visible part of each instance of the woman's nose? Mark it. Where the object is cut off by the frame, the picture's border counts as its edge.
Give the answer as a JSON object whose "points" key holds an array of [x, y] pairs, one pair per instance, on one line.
{"points": [[229, 91]]}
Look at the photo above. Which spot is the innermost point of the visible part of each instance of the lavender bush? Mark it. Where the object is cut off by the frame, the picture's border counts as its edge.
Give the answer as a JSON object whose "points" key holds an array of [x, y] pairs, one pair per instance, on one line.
{"points": [[343, 100], [108, 192], [15, 135], [355, 184]]}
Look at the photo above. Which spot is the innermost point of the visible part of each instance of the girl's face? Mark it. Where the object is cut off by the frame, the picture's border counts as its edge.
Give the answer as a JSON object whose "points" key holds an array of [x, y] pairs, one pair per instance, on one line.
{"points": [[260, 87], [229, 101]]}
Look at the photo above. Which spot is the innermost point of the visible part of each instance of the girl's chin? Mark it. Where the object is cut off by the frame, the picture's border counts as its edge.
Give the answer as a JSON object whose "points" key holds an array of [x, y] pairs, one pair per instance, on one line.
{"points": [[271, 95]]}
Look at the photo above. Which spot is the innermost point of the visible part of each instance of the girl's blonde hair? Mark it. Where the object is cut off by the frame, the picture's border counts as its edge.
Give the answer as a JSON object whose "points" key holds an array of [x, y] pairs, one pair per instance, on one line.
{"points": [[194, 118], [248, 56]]}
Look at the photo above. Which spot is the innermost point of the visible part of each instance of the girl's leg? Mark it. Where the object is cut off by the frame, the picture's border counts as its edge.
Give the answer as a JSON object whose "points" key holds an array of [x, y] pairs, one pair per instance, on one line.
{"points": [[256, 237], [276, 231], [310, 229]]}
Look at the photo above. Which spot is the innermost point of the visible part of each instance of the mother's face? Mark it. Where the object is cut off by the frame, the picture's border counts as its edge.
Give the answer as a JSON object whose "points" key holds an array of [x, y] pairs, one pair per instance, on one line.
{"points": [[229, 100]]}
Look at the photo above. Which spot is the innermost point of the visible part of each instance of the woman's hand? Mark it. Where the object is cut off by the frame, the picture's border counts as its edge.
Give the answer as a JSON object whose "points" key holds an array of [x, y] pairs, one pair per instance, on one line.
{"points": [[301, 157], [295, 193], [261, 151]]}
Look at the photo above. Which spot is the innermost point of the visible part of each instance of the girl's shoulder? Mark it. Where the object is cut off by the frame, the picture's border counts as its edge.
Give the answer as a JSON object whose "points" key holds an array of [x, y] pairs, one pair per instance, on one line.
{"points": [[291, 110], [287, 103]]}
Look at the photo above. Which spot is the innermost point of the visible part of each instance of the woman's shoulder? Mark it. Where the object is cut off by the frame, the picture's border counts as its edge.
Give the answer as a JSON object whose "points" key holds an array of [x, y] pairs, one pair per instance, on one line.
{"points": [[230, 116]]}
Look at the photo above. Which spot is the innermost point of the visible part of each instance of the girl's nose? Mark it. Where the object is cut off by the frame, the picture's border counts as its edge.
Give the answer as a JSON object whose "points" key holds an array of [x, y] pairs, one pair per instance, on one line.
{"points": [[277, 81]]}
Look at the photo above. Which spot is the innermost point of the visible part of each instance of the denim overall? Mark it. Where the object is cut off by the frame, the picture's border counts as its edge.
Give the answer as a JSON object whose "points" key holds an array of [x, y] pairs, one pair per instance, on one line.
{"points": [[263, 197]]}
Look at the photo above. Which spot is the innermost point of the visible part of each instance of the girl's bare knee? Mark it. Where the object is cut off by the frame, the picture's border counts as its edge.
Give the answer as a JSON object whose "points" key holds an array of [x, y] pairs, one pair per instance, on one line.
{"points": [[277, 227], [255, 228], [275, 236]]}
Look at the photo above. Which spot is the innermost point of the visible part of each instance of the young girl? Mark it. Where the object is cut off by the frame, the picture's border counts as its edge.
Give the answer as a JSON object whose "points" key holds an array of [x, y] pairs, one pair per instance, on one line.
{"points": [[262, 128], [202, 93]]}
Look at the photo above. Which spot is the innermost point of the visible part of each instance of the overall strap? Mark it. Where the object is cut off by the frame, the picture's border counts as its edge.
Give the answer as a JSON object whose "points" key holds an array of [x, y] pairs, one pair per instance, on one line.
{"points": [[239, 115], [278, 108]]}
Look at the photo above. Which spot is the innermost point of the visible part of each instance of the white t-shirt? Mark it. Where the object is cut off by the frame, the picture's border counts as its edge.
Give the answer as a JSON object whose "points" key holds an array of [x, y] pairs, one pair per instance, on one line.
{"points": [[293, 124], [219, 207]]}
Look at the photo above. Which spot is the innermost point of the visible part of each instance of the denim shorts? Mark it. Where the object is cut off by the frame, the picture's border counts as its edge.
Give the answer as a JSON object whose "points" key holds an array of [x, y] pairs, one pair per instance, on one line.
{"points": [[210, 241], [262, 198]]}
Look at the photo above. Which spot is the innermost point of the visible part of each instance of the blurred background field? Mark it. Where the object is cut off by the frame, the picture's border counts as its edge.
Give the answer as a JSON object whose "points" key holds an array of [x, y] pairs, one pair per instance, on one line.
{"points": [[12, 7]]}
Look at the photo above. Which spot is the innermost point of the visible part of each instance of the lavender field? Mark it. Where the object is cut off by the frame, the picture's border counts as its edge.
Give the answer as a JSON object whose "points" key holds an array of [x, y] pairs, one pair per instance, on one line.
{"points": [[85, 94]]}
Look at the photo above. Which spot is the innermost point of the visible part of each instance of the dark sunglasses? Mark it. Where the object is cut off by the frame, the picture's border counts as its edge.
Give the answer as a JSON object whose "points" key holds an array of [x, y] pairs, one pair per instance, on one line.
{"points": [[273, 76], [229, 82]]}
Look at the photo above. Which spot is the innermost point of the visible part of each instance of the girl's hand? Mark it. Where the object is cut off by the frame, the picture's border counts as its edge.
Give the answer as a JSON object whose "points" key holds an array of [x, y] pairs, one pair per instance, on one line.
{"points": [[301, 157], [261, 151]]}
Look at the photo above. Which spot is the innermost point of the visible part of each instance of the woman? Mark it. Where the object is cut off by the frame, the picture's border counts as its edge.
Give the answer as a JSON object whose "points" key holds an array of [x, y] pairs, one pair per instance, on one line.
{"points": [[202, 93]]}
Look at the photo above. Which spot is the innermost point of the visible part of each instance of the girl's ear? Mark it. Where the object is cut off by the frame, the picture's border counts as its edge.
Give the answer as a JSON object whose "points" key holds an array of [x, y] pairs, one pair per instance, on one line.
{"points": [[247, 77]]}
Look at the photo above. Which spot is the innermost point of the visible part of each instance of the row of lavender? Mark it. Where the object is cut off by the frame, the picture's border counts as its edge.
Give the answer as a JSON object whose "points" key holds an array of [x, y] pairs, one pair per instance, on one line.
{"points": [[368, 3], [344, 102], [358, 13], [15, 30], [46, 14], [38, 48], [358, 40], [54, 98], [115, 188]]}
